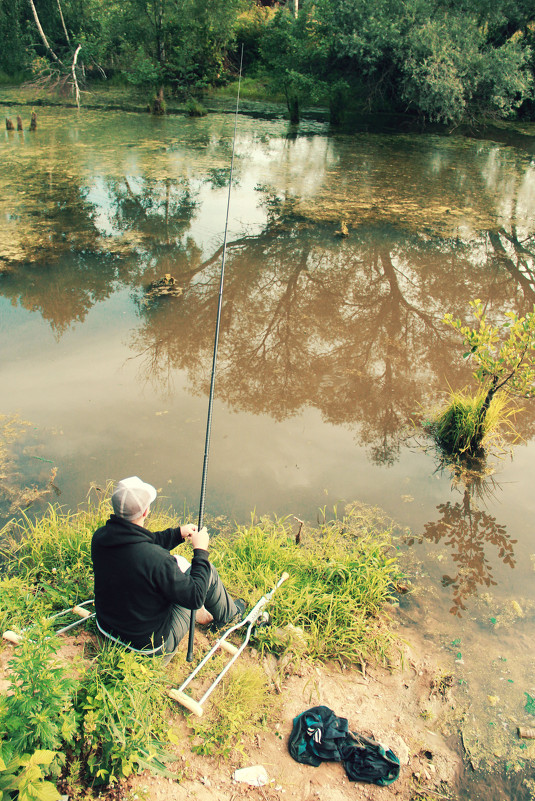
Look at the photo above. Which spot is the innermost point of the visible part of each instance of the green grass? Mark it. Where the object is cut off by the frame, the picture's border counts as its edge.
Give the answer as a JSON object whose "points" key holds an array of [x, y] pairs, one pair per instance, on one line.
{"points": [[254, 89], [340, 578], [245, 703], [341, 575], [114, 722], [458, 428]]}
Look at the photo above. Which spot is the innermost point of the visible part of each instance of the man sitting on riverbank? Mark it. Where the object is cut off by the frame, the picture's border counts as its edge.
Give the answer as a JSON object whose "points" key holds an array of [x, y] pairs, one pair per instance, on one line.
{"points": [[143, 594]]}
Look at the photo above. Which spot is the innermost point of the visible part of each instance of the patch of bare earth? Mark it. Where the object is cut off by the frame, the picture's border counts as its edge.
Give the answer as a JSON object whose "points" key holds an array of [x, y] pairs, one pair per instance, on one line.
{"points": [[407, 709]]}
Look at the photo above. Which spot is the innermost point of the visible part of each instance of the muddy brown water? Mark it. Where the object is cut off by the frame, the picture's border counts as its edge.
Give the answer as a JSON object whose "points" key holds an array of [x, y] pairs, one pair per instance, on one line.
{"points": [[331, 346]]}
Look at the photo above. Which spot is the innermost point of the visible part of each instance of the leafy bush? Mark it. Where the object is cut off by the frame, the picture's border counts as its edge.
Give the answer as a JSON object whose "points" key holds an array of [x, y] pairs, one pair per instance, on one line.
{"points": [[23, 777], [38, 713], [98, 730], [120, 702], [36, 718]]}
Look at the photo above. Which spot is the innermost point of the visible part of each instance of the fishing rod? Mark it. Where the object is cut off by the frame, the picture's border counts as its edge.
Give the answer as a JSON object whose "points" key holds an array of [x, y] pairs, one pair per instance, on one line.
{"points": [[189, 656]]}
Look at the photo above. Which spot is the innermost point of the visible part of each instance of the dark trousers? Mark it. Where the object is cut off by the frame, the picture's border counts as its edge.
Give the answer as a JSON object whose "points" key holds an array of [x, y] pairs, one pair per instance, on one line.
{"points": [[218, 602]]}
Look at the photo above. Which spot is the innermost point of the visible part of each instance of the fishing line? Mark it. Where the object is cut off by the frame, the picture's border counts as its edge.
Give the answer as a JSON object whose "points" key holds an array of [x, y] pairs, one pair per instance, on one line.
{"points": [[189, 656]]}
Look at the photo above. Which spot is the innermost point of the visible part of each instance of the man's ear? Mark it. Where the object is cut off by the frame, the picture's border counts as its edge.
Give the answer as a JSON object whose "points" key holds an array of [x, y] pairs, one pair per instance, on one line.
{"points": [[146, 512]]}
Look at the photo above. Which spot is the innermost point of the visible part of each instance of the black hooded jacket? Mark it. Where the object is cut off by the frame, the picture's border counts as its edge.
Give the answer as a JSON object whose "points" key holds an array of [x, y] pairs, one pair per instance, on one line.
{"points": [[137, 581]]}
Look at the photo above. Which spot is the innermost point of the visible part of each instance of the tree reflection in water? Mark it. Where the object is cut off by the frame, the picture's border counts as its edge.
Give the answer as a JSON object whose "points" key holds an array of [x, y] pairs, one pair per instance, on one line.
{"points": [[467, 531], [351, 328]]}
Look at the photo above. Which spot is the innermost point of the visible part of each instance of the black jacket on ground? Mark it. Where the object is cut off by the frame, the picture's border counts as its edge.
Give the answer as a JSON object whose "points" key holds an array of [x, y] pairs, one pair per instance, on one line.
{"points": [[137, 581]]}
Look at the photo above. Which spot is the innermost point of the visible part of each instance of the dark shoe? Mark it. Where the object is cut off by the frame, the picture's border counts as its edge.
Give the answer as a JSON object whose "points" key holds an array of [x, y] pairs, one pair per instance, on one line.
{"points": [[241, 605]]}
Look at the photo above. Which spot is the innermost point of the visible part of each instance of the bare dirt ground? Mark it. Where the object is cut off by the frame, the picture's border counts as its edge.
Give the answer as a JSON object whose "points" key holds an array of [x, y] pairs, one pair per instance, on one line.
{"points": [[408, 709], [394, 707]]}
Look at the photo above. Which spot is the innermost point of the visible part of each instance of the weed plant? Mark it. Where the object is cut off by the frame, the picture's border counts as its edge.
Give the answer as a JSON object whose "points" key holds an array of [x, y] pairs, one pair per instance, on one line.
{"points": [[97, 730], [121, 702], [339, 581], [39, 712]]}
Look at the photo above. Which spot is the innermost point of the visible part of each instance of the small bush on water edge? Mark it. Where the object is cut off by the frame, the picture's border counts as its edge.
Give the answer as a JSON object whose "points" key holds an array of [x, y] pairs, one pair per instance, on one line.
{"points": [[463, 428]]}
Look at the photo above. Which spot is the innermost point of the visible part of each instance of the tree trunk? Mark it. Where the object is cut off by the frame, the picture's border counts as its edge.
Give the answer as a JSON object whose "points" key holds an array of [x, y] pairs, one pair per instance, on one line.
{"points": [[158, 106], [63, 23], [75, 82], [479, 431], [42, 33]]}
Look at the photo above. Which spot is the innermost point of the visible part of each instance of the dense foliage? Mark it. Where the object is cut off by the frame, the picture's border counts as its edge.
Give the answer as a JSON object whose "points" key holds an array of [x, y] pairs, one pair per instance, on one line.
{"points": [[446, 61]]}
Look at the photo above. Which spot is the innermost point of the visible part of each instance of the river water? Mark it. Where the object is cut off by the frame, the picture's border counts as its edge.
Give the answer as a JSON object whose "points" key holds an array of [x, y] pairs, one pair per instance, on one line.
{"points": [[331, 349]]}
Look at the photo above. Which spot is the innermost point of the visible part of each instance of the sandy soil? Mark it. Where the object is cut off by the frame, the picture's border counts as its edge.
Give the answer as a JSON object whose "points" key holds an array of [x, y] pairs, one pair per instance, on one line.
{"points": [[391, 706], [407, 709]]}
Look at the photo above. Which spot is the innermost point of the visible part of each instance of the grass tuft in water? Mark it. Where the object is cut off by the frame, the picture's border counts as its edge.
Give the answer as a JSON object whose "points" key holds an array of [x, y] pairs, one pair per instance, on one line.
{"points": [[464, 427]]}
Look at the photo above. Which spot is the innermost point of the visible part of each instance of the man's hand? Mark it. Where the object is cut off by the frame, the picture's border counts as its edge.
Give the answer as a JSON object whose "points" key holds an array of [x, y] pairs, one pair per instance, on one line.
{"points": [[198, 539], [188, 530]]}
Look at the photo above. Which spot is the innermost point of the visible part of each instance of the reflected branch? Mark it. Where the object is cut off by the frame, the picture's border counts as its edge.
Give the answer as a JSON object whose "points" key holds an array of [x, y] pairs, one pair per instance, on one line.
{"points": [[467, 531]]}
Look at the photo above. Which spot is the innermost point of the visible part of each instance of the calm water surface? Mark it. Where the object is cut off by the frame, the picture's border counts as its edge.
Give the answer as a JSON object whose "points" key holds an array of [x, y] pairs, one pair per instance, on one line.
{"points": [[329, 348]]}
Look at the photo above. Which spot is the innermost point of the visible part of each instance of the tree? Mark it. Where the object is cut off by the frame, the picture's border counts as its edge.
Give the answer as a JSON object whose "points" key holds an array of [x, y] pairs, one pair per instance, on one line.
{"points": [[12, 53], [290, 54], [504, 357], [181, 43], [446, 61]]}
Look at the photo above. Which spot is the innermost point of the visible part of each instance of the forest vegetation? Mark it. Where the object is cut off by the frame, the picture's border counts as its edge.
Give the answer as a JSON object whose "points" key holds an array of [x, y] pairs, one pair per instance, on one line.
{"points": [[444, 61]]}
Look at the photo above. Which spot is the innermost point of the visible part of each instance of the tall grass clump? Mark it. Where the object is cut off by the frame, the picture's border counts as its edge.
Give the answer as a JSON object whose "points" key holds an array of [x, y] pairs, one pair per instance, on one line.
{"points": [[245, 703], [340, 578], [466, 427], [51, 557]]}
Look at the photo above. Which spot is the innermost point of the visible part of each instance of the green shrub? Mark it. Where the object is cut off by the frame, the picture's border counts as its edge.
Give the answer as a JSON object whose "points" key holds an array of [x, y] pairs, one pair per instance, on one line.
{"points": [[194, 108], [100, 729], [36, 718], [121, 703]]}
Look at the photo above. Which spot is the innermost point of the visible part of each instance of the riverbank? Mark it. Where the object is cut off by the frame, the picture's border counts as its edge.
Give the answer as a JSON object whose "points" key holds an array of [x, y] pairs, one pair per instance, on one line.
{"points": [[331, 619], [256, 104], [406, 685]]}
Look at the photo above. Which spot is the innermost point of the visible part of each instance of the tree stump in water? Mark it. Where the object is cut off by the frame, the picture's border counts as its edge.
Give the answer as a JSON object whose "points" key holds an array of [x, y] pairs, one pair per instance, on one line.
{"points": [[9, 125], [163, 286], [158, 104], [19, 123], [33, 122]]}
